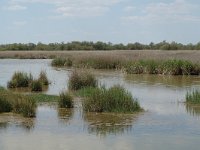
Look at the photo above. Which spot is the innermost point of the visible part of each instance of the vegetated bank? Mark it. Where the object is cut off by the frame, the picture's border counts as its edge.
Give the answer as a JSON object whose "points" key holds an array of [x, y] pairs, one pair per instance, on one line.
{"points": [[167, 67], [120, 55]]}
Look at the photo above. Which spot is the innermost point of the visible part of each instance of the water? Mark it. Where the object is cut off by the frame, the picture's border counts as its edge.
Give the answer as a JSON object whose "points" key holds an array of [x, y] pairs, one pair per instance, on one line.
{"points": [[167, 122]]}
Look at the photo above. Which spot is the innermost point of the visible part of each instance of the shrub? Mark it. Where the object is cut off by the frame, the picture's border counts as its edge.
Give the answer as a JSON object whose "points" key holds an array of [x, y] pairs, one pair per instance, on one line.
{"points": [[193, 97], [20, 79], [115, 99], [36, 86], [65, 100], [81, 79]]}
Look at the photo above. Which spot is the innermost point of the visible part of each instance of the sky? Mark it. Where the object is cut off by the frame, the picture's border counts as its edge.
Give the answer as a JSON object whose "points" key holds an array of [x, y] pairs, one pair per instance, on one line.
{"points": [[116, 21]]}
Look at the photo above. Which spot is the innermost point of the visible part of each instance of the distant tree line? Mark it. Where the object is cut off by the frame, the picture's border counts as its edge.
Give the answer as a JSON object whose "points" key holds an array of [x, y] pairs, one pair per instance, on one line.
{"points": [[76, 45]]}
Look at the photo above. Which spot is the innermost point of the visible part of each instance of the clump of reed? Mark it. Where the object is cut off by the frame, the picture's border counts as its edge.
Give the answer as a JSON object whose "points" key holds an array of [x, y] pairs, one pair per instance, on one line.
{"points": [[193, 97], [23, 80], [20, 79], [43, 78], [65, 100], [81, 79], [114, 99], [36, 86], [17, 103], [168, 67], [60, 62]]}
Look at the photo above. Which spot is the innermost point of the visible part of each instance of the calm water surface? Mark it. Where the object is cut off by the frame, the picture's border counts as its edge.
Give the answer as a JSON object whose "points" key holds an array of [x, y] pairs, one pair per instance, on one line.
{"points": [[167, 123]]}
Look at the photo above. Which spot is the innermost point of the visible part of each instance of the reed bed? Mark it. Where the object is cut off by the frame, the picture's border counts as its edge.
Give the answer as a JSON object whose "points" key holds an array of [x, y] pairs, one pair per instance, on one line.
{"points": [[130, 66], [115, 99]]}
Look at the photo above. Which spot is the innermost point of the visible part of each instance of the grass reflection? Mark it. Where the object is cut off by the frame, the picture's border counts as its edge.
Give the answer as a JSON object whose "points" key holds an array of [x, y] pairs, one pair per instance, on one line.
{"points": [[104, 124]]}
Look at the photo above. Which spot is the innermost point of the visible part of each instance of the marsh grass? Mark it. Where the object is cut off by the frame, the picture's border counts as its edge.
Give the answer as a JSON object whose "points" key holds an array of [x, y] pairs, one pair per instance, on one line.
{"points": [[65, 100], [81, 79], [36, 86], [20, 79], [38, 97], [17, 103], [24, 80], [43, 78], [193, 97], [115, 99], [168, 67], [60, 62]]}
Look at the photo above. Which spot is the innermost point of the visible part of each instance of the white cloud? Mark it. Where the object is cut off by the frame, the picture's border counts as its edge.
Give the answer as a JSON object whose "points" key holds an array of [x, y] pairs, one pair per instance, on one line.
{"points": [[176, 11], [69, 8]]}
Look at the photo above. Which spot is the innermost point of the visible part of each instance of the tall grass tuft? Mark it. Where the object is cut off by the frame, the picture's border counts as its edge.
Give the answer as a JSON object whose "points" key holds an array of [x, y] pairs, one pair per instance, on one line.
{"points": [[43, 78], [193, 97], [20, 79], [17, 103], [60, 62], [36, 86], [65, 100], [81, 79], [115, 99]]}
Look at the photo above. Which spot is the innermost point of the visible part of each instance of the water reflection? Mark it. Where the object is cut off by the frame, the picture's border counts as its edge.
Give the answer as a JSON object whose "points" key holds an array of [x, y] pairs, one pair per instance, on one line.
{"points": [[193, 110], [3, 125], [105, 124], [65, 115], [177, 81], [18, 121]]}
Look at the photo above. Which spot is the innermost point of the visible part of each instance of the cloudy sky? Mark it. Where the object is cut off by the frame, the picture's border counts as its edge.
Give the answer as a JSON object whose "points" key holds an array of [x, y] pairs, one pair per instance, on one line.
{"points": [[117, 21]]}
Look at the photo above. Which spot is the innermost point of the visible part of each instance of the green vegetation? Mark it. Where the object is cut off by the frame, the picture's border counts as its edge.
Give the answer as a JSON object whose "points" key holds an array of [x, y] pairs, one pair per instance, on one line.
{"points": [[76, 45], [65, 100], [81, 79], [105, 62], [169, 67], [60, 62], [17, 103], [38, 97], [115, 99], [36, 86], [193, 97], [21, 79], [43, 78]]}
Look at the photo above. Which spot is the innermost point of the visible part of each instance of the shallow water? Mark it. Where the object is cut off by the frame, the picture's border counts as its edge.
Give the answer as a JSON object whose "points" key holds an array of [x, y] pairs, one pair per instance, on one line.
{"points": [[167, 123]]}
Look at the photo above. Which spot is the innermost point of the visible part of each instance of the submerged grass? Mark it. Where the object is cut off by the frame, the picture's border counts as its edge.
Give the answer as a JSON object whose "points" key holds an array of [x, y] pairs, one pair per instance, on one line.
{"points": [[81, 79], [115, 99], [193, 97]]}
